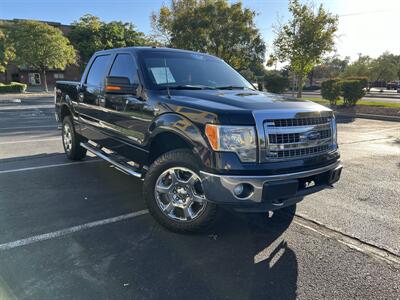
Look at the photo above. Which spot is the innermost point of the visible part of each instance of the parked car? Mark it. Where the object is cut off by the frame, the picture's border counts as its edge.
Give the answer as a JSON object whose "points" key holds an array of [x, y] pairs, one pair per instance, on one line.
{"points": [[197, 133], [393, 85]]}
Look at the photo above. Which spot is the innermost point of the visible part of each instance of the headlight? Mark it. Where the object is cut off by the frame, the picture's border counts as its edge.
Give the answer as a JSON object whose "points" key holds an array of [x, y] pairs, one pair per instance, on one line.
{"points": [[334, 131], [238, 139]]}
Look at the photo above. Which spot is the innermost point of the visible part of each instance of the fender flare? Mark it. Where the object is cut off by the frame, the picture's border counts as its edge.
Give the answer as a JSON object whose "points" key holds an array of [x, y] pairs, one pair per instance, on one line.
{"points": [[185, 129]]}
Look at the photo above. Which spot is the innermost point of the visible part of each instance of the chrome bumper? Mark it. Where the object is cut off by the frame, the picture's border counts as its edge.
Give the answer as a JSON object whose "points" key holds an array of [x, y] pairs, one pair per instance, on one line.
{"points": [[271, 190]]}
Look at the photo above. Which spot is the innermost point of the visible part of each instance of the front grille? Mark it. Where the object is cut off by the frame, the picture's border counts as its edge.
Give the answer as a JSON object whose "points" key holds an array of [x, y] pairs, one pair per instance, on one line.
{"points": [[285, 138], [299, 122], [302, 152], [297, 138]]}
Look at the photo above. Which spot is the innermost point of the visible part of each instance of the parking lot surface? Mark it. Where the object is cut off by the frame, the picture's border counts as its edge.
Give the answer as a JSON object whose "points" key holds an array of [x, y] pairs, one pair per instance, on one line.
{"points": [[81, 230]]}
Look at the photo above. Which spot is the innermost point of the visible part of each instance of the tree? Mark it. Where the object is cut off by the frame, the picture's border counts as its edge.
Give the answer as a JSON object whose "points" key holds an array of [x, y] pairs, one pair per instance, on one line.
{"points": [[85, 35], [330, 67], [215, 27], [41, 46], [305, 39], [249, 75], [360, 68], [386, 67], [90, 34], [7, 51]]}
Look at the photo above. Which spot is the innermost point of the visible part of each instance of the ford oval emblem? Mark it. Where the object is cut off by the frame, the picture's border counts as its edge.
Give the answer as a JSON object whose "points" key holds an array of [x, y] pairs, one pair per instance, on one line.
{"points": [[312, 136]]}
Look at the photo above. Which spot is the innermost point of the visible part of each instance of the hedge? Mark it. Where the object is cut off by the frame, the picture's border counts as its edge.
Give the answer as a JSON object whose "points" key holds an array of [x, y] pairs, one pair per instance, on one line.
{"points": [[13, 87], [311, 88], [330, 90], [275, 83], [352, 91], [363, 80]]}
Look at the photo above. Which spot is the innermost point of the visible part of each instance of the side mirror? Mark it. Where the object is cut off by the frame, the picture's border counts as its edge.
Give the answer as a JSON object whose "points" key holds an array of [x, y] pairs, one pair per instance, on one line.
{"points": [[119, 85]]}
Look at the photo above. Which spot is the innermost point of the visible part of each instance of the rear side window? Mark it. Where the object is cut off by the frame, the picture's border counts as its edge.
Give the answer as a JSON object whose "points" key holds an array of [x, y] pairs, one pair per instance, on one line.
{"points": [[98, 70], [125, 66]]}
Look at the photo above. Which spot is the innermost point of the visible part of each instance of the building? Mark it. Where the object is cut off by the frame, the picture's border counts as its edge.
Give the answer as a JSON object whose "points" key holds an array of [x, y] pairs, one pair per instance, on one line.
{"points": [[33, 77]]}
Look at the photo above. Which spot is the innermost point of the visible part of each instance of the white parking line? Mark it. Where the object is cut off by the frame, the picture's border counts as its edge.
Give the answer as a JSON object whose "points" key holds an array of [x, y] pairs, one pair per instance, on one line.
{"points": [[48, 166], [31, 141], [70, 230]]}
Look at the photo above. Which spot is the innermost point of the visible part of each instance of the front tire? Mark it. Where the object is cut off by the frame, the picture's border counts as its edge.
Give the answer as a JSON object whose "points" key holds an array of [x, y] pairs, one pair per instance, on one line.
{"points": [[71, 140], [173, 193]]}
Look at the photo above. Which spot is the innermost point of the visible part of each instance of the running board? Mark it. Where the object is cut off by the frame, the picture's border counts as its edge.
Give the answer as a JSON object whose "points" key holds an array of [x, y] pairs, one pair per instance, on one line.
{"points": [[122, 165]]}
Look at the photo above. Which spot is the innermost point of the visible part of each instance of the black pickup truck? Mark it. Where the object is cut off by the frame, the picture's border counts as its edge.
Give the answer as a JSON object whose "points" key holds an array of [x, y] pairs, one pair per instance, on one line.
{"points": [[197, 133]]}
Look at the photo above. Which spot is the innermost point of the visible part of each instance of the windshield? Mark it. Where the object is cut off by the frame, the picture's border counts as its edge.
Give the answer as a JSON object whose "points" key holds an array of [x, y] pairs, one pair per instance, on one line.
{"points": [[181, 70]]}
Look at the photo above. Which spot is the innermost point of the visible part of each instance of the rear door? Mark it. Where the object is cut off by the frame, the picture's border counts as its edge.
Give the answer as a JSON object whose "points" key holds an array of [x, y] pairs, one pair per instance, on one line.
{"points": [[91, 98]]}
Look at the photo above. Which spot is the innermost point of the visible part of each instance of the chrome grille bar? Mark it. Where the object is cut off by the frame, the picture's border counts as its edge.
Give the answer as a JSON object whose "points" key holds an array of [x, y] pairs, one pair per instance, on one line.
{"points": [[297, 137]]}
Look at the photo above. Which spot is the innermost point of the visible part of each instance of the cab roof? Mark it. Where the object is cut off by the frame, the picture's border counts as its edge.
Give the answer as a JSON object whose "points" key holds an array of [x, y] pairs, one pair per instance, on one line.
{"points": [[148, 49]]}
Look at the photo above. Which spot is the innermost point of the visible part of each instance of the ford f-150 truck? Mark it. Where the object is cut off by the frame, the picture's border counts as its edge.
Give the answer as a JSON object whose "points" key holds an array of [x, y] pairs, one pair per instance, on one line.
{"points": [[197, 133]]}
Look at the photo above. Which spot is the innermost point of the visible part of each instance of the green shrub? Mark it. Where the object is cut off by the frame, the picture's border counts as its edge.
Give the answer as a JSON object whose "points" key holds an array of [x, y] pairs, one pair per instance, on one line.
{"points": [[330, 90], [13, 87], [275, 82], [352, 91], [311, 88], [364, 80]]}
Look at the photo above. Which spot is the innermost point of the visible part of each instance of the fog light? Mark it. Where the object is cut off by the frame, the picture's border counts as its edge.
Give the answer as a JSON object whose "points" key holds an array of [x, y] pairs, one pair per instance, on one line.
{"points": [[238, 190], [243, 190]]}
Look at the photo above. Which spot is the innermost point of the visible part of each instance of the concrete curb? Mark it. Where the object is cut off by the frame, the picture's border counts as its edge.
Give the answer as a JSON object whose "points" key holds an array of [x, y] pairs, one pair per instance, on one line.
{"points": [[10, 101], [8, 96], [369, 116]]}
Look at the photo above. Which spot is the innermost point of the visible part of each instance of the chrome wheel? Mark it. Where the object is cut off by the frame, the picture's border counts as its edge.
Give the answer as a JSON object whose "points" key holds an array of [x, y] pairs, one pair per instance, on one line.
{"points": [[67, 137], [179, 194]]}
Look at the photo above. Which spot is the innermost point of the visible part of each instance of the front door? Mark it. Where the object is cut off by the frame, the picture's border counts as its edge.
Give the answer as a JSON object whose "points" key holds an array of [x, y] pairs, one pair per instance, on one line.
{"points": [[129, 115]]}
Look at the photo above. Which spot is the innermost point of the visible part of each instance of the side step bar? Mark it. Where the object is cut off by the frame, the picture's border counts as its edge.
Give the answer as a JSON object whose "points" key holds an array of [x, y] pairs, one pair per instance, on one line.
{"points": [[122, 165]]}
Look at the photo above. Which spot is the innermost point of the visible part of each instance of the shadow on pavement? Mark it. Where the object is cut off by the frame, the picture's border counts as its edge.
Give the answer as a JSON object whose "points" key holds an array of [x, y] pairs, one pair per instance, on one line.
{"points": [[242, 258]]}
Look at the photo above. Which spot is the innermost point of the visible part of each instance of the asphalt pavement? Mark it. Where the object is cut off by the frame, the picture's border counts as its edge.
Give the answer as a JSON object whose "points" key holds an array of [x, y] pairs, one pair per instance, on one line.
{"points": [[82, 231]]}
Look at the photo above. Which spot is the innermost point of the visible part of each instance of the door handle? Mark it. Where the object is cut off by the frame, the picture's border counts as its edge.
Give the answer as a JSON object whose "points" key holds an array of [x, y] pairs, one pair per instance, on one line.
{"points": [[80, 97]]}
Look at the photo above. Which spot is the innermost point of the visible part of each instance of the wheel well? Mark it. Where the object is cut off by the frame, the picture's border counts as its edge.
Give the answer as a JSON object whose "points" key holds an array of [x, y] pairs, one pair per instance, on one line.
{"points": [[64, 112], [165, 142]]}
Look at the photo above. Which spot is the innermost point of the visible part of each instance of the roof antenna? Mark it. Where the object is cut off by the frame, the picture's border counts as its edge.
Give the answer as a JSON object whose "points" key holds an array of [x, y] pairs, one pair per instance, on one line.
{"points": [[166, 78]]}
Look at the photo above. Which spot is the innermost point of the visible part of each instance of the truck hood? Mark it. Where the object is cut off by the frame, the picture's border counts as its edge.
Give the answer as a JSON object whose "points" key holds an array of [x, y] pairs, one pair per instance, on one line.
{"points": [[234, 100], [233, 106]]}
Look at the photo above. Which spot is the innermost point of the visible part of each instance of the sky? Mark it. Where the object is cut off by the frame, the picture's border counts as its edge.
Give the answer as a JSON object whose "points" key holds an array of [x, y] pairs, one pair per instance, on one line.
{"points": [[369, 27]]}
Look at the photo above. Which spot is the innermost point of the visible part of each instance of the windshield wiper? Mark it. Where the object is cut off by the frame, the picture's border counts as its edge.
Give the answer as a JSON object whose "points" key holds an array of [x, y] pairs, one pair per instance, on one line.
{"points": [[188, 87], [231, 87]]}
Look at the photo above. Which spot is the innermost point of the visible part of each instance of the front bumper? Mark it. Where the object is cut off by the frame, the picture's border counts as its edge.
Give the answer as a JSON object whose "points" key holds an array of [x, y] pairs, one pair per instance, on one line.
{"points": [[266, 193]]}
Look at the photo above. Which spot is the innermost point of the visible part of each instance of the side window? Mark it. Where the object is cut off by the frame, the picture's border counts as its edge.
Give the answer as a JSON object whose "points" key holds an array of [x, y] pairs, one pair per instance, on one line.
{"points": [[125, 66], [97, 71]]}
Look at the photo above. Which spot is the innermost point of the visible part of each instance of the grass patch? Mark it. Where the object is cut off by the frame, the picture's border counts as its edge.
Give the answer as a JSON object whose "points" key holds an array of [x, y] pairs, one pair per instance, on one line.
{"points": [[362, 102], [13, 87]]}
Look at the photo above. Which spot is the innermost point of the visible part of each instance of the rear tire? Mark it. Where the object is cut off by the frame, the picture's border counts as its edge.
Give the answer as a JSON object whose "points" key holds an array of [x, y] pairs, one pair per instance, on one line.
{"points": [[173, 193], [71, 140]]}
